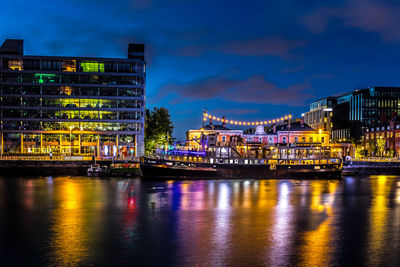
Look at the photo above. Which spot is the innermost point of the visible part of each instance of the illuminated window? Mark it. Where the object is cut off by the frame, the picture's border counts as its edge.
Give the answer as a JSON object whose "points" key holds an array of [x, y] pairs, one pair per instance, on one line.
{"points": [[45, 78], [69, 65], [15, 64], [92, 66]]}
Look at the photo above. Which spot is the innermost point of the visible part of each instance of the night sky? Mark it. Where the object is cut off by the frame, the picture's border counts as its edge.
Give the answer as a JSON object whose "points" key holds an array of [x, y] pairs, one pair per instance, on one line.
{"points": [[248, 60]]}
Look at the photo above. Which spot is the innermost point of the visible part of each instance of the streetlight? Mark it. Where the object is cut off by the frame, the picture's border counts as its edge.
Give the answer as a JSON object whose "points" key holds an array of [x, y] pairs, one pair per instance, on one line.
{"points": [[70, 140]]}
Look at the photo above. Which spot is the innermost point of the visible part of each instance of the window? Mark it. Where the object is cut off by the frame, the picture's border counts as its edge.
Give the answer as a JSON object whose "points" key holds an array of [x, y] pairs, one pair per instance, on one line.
{"points": [[322, 139], [69, 65], [284, 139], [223, 138], [92, 66], [51, 65], [296, 139], [311, 139], [15, 64]]}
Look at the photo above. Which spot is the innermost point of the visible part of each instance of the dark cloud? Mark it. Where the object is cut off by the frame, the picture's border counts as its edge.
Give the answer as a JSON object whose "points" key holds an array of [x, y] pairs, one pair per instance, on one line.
{"points": [[371, 16], [265, 46], [239, 111], [255, 89]]}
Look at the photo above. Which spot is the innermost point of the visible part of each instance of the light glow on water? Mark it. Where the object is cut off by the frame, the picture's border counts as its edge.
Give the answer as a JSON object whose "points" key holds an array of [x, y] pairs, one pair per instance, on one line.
{"points": [[73, 221]]}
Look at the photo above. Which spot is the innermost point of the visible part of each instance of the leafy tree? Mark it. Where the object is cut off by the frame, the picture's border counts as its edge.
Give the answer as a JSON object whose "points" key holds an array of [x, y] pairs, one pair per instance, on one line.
{"points": [[380, 146], [158, 128]]}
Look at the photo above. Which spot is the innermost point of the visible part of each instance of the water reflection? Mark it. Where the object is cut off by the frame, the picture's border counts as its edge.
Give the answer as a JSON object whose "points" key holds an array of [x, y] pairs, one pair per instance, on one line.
{"points": [[70, 227], [85, 221], [381, 186]]}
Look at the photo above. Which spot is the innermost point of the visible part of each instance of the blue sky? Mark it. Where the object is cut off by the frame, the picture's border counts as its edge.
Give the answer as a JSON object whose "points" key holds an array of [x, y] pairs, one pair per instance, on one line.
{"points": [[247, 60]]}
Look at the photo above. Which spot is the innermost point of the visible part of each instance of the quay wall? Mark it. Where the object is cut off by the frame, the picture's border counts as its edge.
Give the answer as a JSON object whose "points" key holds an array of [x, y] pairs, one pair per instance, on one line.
{"points": [[48, 167], [371, 168]]}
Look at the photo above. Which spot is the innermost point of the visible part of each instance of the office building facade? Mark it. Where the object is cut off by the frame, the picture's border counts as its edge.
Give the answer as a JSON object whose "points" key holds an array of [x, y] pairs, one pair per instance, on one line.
{"points": [[358, 110], [320, 115], [72, 105]]}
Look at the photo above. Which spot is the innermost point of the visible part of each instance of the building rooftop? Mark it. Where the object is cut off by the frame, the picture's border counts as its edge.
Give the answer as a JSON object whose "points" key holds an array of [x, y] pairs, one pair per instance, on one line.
{"points": [[295, 126], [215, 127]]}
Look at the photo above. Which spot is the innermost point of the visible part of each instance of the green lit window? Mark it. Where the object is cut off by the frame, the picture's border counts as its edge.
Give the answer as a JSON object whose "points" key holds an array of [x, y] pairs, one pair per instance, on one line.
{"points": [[92, 66], [45, 78]]}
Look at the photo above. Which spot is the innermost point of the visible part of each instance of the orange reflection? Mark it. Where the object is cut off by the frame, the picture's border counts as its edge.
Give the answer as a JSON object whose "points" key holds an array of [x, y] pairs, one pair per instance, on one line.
{"points": [[70, 228], [380, 186], [316, 248]]}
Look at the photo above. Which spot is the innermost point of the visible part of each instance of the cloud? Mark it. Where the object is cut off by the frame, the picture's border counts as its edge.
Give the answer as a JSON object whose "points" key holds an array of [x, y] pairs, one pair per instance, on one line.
{"points": [[253, 90], [297, 68], [276, 46], [241, 111], [266, 46], [371, 16]]}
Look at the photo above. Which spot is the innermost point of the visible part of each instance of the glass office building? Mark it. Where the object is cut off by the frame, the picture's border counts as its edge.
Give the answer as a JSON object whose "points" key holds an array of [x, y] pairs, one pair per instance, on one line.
{"points": [[362, 109], [71, 105]]}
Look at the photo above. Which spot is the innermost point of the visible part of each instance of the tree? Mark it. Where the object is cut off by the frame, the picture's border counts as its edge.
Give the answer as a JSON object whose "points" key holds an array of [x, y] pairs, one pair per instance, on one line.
{"points": [[380, 146], [158, 130]]}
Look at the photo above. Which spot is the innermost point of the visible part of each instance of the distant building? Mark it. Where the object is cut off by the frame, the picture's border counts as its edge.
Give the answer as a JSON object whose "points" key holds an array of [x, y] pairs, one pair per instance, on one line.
{"points": [[320, 114], [261, 137], [297, 133], [71, 105], [364, 108], [388, 133], [212, 135]]}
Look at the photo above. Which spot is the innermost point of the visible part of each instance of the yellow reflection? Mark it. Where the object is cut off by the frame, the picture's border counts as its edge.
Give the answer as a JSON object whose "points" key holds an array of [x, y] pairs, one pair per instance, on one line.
{"points": [[380, 186], [315, 251], [70, 229]]}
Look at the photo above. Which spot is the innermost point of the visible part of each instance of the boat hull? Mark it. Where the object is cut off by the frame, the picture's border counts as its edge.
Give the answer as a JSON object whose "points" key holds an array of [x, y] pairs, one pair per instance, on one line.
{"points": [[241, 171]]}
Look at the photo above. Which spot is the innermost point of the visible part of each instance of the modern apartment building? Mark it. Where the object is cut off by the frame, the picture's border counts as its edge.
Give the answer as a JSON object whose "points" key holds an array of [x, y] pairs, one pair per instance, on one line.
{"points": [[320, 115], [71, 105], [364, 108]]}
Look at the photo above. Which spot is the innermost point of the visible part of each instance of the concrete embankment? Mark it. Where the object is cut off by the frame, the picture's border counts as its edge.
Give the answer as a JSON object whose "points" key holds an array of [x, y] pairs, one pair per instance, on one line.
{"points": [[371, 168], [50, 167]]}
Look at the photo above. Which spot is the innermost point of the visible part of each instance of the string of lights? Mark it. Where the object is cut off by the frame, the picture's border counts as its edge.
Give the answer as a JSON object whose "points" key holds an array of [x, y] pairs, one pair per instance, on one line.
{"points": [[207, 116]]}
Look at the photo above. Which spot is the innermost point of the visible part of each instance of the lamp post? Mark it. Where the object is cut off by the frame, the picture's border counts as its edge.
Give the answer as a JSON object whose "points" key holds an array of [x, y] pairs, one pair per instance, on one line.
{"points": [[70, 140]]}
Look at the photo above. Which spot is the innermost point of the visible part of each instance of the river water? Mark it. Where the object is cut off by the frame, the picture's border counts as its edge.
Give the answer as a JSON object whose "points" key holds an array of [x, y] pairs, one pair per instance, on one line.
{"points": [[80, 221]]}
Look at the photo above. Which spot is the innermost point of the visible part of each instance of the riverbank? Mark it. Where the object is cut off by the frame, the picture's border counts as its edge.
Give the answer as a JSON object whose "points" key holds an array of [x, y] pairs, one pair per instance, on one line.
{"points": [[371, 168], [51, 167]]}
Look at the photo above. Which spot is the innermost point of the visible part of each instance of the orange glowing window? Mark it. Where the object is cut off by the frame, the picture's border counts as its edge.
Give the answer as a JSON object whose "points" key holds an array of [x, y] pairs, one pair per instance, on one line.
{"points": [[66, 90], [15, 64], [69, 65]]}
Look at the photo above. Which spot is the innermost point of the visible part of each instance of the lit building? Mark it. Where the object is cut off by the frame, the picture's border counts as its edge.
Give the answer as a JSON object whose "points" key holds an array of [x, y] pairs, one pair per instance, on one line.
{"points": [[361, 109], [320, 114], [261, 137], [213, 135], [71, 105], [386, 135], [299, 133]]}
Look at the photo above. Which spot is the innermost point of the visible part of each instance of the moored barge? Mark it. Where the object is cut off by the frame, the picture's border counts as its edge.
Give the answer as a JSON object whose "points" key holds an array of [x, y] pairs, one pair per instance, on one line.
{"points": [[285, 162]]}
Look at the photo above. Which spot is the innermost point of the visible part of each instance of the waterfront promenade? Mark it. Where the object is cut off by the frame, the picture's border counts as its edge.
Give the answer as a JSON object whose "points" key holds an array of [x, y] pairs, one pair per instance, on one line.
{"points": [[55, 165]]}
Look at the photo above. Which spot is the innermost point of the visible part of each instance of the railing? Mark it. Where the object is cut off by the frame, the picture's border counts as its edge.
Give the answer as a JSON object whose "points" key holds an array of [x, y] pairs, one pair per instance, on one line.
{"points": [[376, 159], [254, 161], [45, 158]]}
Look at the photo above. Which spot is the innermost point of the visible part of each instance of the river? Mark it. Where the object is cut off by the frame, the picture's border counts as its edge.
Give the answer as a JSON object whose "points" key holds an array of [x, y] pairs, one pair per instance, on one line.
{"points": [[81, 221]]}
